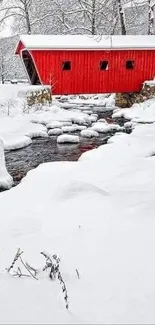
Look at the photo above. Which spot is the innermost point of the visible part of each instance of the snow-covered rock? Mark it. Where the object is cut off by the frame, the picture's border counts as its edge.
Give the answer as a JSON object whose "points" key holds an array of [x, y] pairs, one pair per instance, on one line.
{"points": [[80, 119], [102, 120], [66, 123], [54, 125], [72, 128], [105, 127], [87, 111], [129, 124], [6, 180], [66, 138], [55, 131], [89, 133], [92, 118], [80, 127]]}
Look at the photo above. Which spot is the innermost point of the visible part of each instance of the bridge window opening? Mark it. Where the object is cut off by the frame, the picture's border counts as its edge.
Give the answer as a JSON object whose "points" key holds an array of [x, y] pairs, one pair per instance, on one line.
{"points": [[104, 65], [129, 65], [66, 65]]}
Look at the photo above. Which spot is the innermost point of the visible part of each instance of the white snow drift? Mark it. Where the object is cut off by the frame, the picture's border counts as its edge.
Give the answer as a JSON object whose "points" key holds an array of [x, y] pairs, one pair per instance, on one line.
{"points": [[6, 180], [139, 113], [98, 216]]}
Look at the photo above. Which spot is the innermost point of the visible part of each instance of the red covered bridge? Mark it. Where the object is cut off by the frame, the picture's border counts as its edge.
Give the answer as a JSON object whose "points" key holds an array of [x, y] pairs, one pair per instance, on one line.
{"points": [[81, 64]]}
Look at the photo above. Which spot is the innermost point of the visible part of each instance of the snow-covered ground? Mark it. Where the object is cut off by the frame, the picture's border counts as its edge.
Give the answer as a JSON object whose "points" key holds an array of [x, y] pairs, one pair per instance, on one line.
{"points": [[97, 215]]}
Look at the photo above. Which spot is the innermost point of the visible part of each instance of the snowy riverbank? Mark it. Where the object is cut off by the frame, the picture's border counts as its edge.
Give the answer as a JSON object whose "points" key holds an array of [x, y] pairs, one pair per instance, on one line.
{"points": [[19, 124], [98, 216], [6, 180]]}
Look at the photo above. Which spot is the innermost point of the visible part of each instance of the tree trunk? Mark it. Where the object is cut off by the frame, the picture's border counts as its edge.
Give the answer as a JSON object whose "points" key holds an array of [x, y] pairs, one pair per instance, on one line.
{"points": [[151, 22], [121, 16], [93, 27], [27, 17], [2, 68]]}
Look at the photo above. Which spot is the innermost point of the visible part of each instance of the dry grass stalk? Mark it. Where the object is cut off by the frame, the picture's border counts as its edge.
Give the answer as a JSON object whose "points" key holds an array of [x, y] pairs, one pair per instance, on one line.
{"points": [[53, 264], [77, 272], [28, 269], [18, 254]]}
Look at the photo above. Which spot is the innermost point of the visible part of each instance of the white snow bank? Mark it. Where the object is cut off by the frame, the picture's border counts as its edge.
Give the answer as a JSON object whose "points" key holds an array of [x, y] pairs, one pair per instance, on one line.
{"points": [[6, 180], [37, 134], [8, 91], [89, 133], [13, 98], [17, 132], [16, 142], [139, 113], [66, 138]]}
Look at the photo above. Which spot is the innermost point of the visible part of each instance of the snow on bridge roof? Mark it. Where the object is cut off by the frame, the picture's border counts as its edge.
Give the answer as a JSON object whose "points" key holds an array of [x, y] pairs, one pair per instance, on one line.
{"points": [[88, 42]]}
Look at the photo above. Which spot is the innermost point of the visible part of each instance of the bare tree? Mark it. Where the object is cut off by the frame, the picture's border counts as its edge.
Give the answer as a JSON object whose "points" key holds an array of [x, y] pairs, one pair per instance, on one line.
{"points": [[151, 17], [16, 8]]}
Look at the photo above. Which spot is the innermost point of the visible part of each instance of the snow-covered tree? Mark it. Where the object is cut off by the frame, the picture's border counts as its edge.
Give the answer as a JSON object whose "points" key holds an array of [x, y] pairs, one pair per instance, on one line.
{"points": [[17, 9], [64, 16], [10, 65], [151, 17]]}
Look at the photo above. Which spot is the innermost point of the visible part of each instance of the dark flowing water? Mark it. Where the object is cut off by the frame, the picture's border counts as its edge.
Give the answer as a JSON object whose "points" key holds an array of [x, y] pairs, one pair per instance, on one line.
{"points": [[43, 150]]}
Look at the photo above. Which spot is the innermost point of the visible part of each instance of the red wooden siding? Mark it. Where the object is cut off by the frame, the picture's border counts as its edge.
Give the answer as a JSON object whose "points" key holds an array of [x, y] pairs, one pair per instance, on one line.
{"points": [[85, 75]]}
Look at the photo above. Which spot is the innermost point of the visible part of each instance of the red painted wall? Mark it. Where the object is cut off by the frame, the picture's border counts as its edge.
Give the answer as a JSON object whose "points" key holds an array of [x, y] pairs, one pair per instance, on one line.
{"points": [[86, 77]]}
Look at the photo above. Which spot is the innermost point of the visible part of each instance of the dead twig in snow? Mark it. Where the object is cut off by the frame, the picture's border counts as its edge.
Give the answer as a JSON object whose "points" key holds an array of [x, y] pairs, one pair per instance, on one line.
{"points": [[53, 264], [28, 269], [19, 273], [18, 254], [32, 268], [77, 272]]}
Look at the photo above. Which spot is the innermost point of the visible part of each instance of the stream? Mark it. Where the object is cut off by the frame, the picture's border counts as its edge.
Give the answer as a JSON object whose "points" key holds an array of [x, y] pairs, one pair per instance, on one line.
{"points": [[42, 150]]}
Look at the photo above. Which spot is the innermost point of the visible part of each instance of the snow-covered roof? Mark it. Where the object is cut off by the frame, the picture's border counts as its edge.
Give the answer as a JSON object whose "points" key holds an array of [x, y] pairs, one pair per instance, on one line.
{"points": [[88, 42]]}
